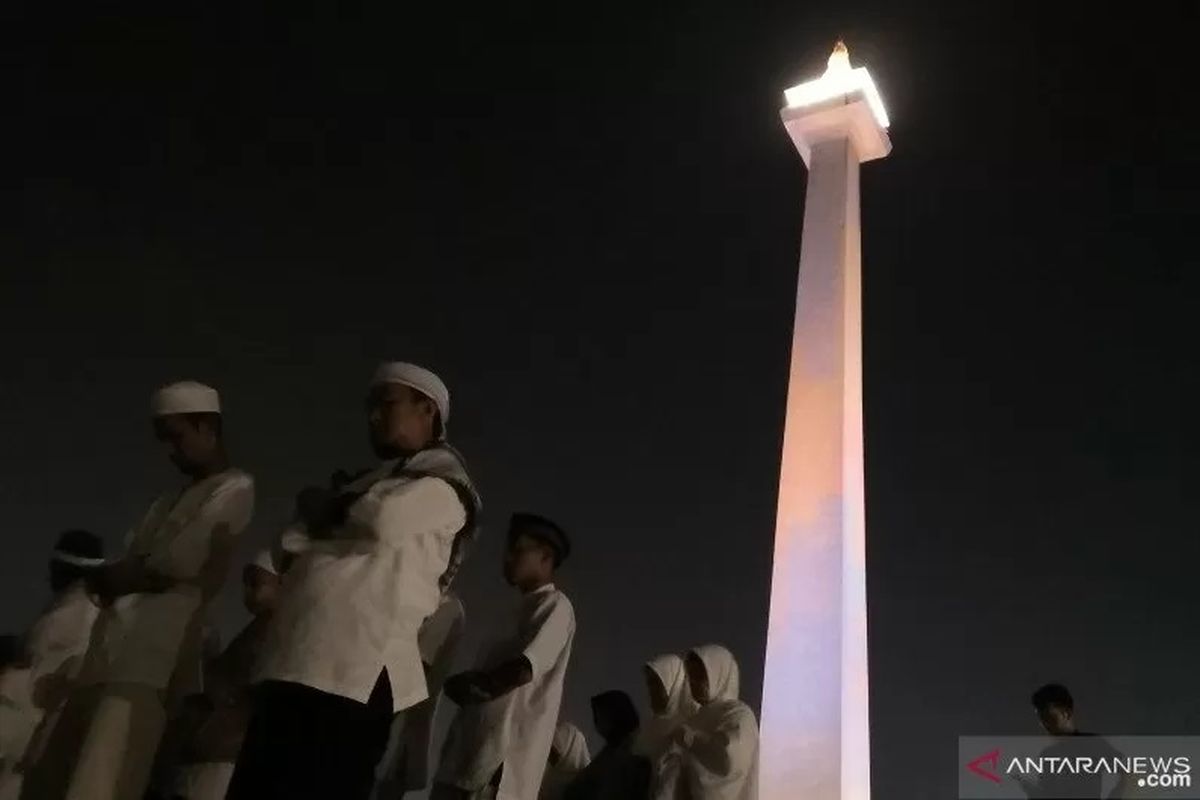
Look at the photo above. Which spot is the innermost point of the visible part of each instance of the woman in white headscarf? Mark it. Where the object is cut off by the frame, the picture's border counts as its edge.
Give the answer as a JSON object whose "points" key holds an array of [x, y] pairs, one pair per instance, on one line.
{"points": [[670, 701], [714, 755], [568, 756]]}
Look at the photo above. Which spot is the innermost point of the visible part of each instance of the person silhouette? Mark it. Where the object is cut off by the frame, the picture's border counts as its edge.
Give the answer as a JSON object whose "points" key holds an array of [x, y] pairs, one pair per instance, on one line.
{"points": [[1055, 708]]}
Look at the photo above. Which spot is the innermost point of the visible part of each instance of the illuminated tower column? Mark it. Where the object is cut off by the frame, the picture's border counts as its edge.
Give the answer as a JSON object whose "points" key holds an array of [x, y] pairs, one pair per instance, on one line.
{"points": [[815, 743]]}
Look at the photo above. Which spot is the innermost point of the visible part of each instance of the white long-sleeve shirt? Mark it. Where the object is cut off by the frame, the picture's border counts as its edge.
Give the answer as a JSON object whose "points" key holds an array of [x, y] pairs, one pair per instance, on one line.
{"points": [[352, 604], [138, 638], [516, 730]]}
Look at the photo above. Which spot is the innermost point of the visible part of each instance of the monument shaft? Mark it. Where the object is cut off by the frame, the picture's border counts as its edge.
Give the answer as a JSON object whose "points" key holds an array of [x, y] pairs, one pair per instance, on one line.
{"points": [[815, 722]]}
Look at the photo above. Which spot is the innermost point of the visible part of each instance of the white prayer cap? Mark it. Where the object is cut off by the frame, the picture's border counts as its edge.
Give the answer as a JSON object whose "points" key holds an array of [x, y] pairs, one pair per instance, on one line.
{"points": [[418, 378], [185, 397], [263, 561], [73, 560]]}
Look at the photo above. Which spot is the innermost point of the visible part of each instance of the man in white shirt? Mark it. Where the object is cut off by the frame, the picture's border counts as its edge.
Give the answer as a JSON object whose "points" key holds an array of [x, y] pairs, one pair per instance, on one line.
{"points": [[59, 638], [152, 599], [372, 562], [502, 734]]}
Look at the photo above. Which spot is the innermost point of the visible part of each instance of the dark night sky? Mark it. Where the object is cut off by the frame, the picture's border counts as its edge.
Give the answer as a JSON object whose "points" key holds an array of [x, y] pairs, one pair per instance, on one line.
{"points": [[589, 225]]}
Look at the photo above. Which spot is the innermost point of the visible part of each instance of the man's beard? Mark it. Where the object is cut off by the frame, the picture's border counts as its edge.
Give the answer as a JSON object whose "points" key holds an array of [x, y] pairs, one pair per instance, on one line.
{"points": [[385, 451]]}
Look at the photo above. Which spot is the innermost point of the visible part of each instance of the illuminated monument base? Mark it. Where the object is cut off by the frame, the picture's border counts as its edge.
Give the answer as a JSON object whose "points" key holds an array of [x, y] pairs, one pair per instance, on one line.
{"points": [[815, 739]]}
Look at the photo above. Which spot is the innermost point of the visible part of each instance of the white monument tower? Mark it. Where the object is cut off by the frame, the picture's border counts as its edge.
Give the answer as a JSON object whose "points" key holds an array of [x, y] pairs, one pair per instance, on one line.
{"points": [[815, 743]]}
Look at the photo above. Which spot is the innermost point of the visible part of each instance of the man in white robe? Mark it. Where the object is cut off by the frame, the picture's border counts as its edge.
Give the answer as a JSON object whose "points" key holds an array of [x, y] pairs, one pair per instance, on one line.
{"points": [[501, 737], [153, 601], [369, 564]]}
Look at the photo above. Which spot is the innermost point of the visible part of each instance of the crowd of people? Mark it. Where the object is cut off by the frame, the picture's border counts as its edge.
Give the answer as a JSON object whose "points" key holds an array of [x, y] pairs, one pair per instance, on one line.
{"points": [[118, 692]]}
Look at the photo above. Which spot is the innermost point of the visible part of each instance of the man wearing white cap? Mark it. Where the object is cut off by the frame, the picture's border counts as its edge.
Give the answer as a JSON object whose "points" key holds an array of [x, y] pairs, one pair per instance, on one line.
{"points": [[372, 560], [152, 599]]}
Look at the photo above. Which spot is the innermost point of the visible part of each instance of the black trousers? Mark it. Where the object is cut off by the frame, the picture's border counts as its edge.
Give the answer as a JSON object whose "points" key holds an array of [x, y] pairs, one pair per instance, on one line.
{"points": [[305, 743]]}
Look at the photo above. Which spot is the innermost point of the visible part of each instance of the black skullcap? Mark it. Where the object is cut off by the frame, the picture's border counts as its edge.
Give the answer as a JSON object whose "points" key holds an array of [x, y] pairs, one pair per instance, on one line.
{"points": [[544, 531], [1053, 694], [80, 543]]}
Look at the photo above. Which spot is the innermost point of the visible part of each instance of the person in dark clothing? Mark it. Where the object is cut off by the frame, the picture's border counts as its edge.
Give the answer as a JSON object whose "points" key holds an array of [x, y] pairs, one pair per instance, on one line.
{"points": [[1056, 711], [615, 773]]}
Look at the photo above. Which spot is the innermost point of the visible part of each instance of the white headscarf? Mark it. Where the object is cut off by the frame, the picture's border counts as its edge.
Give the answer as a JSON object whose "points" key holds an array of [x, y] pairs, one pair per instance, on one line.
{"points": [[722, 670], [571, 746], [573, 756], [655, 732], [714, 755]]}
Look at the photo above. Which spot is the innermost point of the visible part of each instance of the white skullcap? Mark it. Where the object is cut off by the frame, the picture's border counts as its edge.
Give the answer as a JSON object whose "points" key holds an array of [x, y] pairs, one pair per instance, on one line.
{"points": [[63, 557], [185, 397], [264, 562], [418, 378]]}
